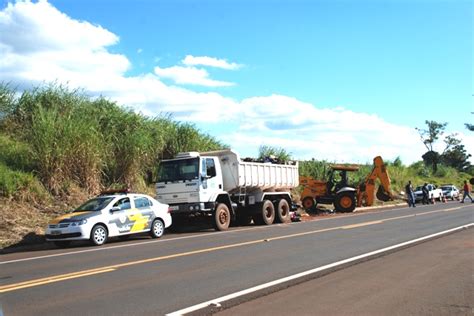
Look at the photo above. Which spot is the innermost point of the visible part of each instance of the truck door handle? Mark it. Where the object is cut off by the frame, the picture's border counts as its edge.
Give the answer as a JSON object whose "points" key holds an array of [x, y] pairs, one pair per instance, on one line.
{"points": [[220, 186]]}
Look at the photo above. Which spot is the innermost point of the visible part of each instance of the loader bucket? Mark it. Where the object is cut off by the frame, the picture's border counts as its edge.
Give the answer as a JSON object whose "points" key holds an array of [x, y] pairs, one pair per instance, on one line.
{"points": [[383, 195]]}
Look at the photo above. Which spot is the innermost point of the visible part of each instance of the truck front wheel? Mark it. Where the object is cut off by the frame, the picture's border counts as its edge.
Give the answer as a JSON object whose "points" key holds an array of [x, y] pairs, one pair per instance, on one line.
{"points": [[221, 217]]}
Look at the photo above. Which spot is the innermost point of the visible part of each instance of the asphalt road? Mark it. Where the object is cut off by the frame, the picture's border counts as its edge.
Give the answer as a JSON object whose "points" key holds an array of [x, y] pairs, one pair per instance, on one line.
{"points": [[432, 278], [145, 276]]}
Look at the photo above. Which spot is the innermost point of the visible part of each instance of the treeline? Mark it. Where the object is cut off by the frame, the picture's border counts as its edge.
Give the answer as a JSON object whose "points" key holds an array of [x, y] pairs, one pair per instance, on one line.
{"points": [[64, 137]]}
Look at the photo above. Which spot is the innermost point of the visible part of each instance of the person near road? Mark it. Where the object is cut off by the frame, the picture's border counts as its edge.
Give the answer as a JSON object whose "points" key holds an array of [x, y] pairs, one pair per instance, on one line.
{"points": [[410, 194], [425, 192], [467, 190]]}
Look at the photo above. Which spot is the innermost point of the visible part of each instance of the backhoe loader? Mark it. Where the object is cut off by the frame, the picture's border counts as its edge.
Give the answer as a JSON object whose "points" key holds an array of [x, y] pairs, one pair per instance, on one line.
{"points": [[365, 190], [340, 193]]}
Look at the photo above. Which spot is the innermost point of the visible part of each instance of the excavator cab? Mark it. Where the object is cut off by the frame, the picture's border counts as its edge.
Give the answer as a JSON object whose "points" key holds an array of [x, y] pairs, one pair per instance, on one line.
{"points": [[335, 190]]}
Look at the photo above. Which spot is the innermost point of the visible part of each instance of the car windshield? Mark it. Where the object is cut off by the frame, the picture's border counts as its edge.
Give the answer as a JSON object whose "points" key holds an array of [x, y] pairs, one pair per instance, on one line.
{"points": [[178, 170], [446, 188], [418, 188], [95, 205]]}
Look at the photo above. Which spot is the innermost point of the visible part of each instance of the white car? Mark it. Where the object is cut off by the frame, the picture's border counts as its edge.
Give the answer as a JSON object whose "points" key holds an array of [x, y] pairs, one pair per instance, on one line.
{"points": [[450, 191], [114, 213], [434, 193]]}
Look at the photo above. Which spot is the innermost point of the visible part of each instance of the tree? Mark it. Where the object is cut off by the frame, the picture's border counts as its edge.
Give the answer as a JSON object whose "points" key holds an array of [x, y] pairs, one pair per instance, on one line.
{"points": [[429, 136], [457, 157]]}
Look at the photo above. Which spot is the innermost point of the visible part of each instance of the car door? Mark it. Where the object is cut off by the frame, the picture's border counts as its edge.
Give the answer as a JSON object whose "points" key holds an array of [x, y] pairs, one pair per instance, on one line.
{"points": [[211, 184], [144, 215], [121, 220]]}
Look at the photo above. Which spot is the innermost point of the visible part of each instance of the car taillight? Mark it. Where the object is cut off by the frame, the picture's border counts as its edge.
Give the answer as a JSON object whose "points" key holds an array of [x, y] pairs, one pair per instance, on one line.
{"points": [[169, 209]]}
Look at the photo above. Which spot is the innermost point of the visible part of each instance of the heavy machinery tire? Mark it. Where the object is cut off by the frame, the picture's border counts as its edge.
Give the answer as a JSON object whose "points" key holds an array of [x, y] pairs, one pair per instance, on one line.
{"points": [[308, 203], [221, 217], [157, 228], [283, 211], [267, 212], [345, 202], [99, 235]]}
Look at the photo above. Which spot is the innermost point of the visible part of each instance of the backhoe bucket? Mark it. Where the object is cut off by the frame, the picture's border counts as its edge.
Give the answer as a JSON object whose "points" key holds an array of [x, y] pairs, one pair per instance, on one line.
{"points": [[382, 195]]}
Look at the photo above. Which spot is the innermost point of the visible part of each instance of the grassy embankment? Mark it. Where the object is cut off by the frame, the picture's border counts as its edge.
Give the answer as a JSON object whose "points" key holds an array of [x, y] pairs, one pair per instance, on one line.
{"points": [[58, 147]]}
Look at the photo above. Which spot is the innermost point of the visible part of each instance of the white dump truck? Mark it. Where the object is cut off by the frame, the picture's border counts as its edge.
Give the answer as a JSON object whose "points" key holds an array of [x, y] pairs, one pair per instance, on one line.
{"points": [[221, 186]]}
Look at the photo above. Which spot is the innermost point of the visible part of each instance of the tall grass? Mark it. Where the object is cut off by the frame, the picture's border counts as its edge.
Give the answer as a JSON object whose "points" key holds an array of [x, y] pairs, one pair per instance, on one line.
{"points": [[67, 138]]}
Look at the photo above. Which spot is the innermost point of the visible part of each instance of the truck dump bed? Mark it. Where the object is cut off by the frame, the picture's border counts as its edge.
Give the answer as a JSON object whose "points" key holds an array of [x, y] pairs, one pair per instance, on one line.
{"points": [[238, 174]]}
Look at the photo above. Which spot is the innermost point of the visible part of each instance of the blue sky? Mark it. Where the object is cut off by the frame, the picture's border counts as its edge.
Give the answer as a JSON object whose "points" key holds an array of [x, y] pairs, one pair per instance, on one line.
{"points": [[336, 80]]}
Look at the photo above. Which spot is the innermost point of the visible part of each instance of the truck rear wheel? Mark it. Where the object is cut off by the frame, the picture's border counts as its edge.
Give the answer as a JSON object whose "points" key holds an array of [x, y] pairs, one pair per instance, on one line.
{"points": [[283, 211], [221, 217], [345, 202], [267, 213]]}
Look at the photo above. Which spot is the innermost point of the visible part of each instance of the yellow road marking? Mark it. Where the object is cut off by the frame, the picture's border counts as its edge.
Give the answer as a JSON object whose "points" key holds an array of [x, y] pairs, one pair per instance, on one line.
{"points": [[52, 279], [62, 277]]}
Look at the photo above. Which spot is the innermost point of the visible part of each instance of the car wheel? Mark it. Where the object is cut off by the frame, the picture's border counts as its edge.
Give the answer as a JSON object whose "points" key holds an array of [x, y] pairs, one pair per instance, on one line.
{"points": [[99, 235], [157, 228]]}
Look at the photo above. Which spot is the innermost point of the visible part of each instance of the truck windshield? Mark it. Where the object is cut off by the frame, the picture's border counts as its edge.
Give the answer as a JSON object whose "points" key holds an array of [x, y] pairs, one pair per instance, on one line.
{"points": [[178, 170]]}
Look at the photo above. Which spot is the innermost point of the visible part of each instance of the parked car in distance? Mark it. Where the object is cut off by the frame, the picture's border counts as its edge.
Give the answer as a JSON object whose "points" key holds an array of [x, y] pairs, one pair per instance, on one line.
{"points": [[433, 193], [450, 191], [113, 213]]}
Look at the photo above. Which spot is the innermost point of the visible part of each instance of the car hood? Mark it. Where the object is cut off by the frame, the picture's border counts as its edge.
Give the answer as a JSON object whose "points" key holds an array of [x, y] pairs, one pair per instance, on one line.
{"points": [[75, 216]]}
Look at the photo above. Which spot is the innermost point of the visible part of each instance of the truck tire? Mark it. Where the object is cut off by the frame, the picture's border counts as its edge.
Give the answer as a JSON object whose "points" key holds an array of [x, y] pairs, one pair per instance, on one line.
{"points": [[221, 217], [308, 203], [345, 202], [283, 211], [267, 213]]}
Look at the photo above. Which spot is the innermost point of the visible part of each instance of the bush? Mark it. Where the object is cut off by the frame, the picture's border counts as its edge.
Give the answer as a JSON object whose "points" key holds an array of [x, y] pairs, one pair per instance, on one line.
{"points": [[20, 185]]}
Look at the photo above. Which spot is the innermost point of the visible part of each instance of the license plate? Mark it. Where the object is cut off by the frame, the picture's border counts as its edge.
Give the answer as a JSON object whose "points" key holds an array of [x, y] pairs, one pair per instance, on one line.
{"points": [[55, 232], [174, 208]]}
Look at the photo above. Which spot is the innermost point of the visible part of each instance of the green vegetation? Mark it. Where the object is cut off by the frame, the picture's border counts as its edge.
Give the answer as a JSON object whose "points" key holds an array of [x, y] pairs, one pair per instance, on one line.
{"points": [[66, 139]]}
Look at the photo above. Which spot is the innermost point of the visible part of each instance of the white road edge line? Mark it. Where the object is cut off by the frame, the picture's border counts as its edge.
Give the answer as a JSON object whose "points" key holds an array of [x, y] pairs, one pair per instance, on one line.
{"points": [[220, 300]]}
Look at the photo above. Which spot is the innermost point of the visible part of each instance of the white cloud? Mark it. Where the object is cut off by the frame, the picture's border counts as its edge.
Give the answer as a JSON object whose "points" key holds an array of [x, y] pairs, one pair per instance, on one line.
{"points": [[190, 60], [41, 44], [190, 75]]}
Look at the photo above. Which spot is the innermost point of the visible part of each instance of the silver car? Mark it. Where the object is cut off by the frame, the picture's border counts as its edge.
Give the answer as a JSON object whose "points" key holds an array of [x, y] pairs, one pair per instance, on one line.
{"points": [[450, 191]]}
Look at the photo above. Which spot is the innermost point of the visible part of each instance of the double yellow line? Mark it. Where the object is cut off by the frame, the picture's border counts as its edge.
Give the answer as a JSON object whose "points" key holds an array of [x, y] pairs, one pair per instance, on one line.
{"points": [[84, 273]]}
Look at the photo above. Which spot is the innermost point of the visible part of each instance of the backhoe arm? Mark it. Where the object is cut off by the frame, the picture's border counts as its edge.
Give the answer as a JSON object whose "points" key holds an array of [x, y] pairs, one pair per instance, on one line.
{"points": [[366, 190]]}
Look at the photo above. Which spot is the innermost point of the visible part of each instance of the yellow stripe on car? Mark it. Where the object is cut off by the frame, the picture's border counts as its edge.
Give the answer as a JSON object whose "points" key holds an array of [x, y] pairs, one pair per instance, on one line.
{"points": [[141, 222], [57, 220]]}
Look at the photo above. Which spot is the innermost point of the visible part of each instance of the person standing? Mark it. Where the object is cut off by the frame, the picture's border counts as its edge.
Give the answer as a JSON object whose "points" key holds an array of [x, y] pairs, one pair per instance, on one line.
{"points": [[467, 190], [410, 194], [425, 192]]}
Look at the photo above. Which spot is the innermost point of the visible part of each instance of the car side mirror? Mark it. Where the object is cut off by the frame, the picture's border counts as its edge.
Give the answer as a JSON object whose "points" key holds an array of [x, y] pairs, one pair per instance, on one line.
{"points": [[115, 209]]}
